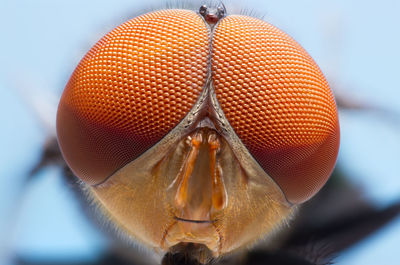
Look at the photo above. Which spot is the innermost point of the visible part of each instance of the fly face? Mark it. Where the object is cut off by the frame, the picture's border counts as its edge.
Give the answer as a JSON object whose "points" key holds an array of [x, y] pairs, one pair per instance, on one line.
{"points": [[198, 128]]}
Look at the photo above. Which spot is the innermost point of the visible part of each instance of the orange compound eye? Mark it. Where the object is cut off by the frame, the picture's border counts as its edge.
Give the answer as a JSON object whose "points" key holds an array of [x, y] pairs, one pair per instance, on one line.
{"points": [[133, 87], [278, 102]]}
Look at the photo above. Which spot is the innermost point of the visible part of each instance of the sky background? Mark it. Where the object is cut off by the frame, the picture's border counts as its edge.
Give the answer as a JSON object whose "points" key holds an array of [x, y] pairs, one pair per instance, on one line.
{"points": [[356, 44]]}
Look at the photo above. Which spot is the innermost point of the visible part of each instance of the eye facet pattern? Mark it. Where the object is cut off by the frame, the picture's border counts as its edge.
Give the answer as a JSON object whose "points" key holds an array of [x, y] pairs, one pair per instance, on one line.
{"points": [[278, 102], [134, 86]]}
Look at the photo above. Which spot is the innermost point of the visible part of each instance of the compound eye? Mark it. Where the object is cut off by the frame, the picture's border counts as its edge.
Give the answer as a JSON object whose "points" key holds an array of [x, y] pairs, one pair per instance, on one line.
{"points": [[132, 88], [278, 102]]}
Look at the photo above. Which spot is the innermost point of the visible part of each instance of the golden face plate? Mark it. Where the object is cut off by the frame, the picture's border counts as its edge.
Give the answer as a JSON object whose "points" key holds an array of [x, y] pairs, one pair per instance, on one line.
{"points": [[144, 197]]}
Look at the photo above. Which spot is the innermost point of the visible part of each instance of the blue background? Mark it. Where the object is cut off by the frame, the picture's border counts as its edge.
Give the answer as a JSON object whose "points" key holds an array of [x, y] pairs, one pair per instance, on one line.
{"points": [[356, 43]]}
